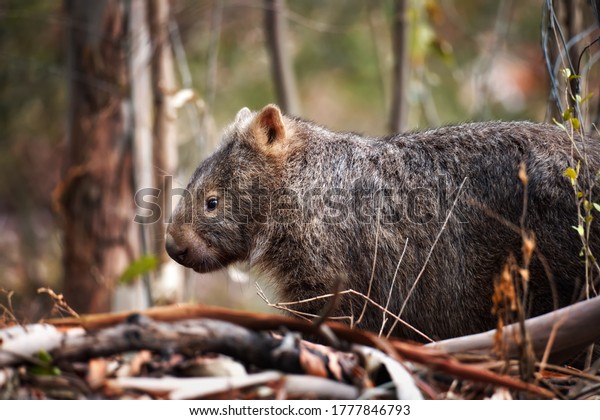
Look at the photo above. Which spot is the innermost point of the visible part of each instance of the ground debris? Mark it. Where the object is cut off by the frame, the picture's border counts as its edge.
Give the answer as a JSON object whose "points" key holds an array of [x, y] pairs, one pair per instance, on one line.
{"points": [[192, 352]]}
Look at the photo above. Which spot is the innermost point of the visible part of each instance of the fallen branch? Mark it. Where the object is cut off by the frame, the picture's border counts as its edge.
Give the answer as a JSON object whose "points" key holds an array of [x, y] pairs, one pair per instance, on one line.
{"points": [[193, 388], [288, 354], [575, 328], [251, 320], [23, 342]]}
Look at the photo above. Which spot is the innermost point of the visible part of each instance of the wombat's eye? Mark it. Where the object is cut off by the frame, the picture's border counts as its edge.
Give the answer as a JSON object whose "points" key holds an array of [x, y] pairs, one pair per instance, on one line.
{"points": [[212, 203]]}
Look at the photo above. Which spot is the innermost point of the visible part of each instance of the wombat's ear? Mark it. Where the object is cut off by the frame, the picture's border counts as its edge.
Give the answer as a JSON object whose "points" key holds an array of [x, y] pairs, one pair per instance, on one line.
{"points": [[242, 115], [268, 126]]}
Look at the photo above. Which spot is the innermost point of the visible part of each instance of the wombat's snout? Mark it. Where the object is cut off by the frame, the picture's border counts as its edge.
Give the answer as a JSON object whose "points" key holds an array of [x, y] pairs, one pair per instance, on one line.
{"points": [[188, 249], [175, 250]]}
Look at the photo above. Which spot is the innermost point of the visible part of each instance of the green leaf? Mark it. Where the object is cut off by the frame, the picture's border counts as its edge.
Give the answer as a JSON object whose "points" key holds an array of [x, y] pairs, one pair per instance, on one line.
{"points": [[579, 194], [570, 173], [44, 356], [566, 72], [575, 123], [579, 230], [139, 267], [45, 368], [568, 114], [596, 206], [589, 218], [584, 99]]}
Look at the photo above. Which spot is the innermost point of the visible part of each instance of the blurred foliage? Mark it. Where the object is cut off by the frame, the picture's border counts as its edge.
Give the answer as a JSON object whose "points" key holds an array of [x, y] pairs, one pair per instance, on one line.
{"points": [[342, 57], [470, 60], [139, 267]]}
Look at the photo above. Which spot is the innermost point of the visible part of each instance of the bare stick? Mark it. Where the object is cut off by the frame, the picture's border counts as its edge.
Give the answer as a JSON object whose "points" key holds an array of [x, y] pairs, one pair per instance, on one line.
{"points": [[387, 304], [372, 269], [549, 345], [284, 306], [304, 315]]}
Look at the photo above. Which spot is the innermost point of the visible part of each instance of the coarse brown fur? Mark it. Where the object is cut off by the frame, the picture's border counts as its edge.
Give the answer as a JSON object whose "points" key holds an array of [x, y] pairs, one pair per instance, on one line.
{"points": [[307, 206]]}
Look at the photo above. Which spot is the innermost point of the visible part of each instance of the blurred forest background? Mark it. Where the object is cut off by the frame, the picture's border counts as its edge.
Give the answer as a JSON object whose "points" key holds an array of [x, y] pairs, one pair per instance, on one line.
{"points": [[125, 92]]}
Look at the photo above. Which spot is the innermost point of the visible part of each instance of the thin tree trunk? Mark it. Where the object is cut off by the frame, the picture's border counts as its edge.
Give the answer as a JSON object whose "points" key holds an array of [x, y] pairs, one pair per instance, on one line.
{"points": [[594, 116], [96, 193], [398, 116], [574, 25], [213, 53], [165, 142], [138, 294], [281, 64], [164, 127]]}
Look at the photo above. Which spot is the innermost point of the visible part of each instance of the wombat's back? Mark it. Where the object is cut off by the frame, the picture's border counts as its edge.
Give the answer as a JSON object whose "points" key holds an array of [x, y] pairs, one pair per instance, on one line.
{"points": [[389, 192]]}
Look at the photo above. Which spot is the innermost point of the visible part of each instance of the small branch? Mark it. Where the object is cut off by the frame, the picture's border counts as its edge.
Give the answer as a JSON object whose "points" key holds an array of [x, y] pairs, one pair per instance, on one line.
{"points": [[368, 297], [442, 362], [284, 306], [387, 304], [59, 301]]}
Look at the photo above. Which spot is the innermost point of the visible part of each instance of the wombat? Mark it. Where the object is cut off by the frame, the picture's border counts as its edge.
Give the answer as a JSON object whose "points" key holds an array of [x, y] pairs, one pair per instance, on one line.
{"points": [[315, 210]]}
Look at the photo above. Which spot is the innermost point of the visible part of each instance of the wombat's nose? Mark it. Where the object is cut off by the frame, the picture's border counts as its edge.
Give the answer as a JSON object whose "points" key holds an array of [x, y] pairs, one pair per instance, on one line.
{"points": [[175, 251]]}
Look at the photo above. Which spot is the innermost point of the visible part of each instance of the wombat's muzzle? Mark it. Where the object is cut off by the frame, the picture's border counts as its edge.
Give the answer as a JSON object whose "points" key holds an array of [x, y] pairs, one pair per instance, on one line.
{"points": [[175, 251]]}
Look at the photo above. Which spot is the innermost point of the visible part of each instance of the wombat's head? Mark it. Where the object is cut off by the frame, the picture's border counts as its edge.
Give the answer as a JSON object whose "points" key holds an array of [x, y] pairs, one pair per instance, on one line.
{"points": [[220, 213]]}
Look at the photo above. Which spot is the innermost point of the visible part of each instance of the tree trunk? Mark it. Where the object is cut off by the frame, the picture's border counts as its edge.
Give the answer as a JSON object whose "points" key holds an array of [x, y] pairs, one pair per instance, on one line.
{"points": [[398, 115], [281, 65], [100, 240]]}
